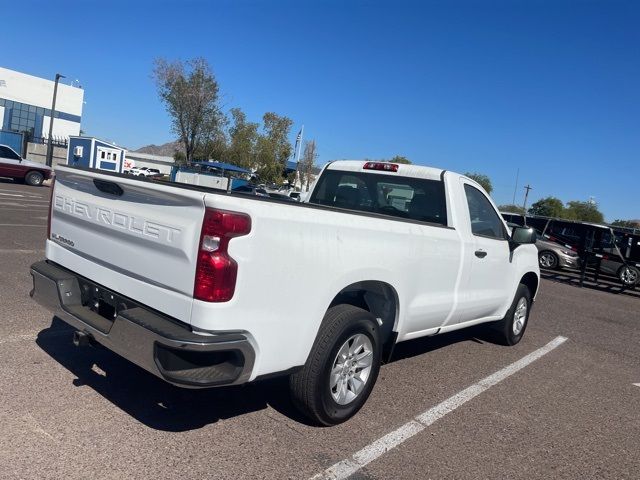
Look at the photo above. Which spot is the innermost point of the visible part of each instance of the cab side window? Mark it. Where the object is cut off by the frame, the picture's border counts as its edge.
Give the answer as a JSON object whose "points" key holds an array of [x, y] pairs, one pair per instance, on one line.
{"points": [[8, 153], [484, 219]]}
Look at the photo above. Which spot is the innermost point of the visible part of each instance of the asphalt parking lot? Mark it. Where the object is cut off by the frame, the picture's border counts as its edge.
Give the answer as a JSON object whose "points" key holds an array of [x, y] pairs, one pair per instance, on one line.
{"points": [[572, 410]]}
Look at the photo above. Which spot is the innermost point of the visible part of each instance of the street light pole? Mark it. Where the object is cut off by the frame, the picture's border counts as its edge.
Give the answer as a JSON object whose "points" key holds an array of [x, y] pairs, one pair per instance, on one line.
{"points": [[53, 114]]}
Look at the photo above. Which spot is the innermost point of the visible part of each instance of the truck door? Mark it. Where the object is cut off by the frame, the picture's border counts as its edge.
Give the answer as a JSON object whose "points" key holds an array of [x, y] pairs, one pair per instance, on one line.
{"points": [[488, 280]]}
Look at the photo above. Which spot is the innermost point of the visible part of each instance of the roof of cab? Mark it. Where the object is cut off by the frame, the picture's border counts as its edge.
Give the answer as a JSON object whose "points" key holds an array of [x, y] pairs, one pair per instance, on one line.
{"points": [[416, 171]]}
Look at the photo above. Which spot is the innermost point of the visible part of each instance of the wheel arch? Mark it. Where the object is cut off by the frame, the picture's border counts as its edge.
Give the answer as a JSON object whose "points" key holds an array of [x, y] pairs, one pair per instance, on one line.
{"points": [[381, 300], [532, 282]]}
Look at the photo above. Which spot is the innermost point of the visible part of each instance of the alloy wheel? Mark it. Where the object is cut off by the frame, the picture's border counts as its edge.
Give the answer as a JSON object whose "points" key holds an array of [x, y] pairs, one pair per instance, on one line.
{"points": [[520, 316], [351, 369]]}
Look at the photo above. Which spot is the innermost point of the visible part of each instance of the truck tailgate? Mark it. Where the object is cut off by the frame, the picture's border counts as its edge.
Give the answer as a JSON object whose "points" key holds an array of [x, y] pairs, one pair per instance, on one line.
{"points": [[142, 231]]}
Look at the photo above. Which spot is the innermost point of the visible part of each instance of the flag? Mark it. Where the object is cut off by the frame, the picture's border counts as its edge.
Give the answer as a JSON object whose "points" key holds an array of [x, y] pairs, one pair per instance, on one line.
{"points": [[295, 149]]}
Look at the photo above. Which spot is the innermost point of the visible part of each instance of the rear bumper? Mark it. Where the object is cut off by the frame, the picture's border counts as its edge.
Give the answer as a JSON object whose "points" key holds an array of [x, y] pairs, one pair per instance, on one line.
{"points": [[161, 345]]}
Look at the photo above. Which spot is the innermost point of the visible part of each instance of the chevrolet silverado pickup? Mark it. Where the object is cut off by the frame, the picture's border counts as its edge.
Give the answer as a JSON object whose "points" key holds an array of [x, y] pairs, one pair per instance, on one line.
{"points": [[204, 287]]}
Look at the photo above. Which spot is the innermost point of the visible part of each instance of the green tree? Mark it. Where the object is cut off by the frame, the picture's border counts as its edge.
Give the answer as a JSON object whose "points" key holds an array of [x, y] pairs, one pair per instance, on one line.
{"points": [[547, 207], [483, 180], [190, 93], [307, 163], [243, 137], [625, 223], [274, 148], [583, 211], [215, 144], [511, 208], [400, 159], [179, 157]]}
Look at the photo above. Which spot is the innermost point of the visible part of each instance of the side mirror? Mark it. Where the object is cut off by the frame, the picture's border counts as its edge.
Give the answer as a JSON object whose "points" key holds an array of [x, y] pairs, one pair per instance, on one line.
{"points": [[523, 236]]}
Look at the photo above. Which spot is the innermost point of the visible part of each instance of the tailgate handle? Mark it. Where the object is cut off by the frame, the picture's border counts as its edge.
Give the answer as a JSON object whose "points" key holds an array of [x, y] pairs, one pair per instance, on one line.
{"points": [[108, 187]]}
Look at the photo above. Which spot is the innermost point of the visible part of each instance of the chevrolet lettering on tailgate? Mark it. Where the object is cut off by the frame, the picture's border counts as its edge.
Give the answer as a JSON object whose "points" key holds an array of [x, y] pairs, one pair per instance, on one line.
{"points": [[101, 215]]}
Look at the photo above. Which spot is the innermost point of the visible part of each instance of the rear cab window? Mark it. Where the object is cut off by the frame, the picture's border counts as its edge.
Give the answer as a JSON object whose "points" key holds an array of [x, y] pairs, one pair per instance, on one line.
{"points": [[409, 198]]}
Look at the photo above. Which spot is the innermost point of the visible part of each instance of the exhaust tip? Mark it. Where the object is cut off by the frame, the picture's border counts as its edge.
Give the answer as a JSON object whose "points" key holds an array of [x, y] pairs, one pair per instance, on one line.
{"points": [[81, 339]]}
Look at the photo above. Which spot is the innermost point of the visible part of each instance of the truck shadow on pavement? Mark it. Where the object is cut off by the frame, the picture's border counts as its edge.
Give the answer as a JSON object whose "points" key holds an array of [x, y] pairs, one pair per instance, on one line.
{"points": [[162, 406]]}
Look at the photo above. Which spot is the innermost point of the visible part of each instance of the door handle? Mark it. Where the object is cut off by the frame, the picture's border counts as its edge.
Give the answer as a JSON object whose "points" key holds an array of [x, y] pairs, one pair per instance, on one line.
{"points": [[481, 253]]}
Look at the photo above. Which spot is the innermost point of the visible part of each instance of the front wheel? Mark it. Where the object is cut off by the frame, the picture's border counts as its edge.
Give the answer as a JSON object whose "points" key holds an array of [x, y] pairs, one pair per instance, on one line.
{"points": [[342, 367], [34, 178], [510, 329], [548, 259], [629, 275]]}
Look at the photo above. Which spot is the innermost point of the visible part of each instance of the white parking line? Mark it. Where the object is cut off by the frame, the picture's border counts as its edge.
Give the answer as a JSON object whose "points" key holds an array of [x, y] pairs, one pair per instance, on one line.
{"points": [[11, 194], [18, 209], [20, 250], [6, 190], [348, 467], [22, 225], [21, 206], [26, 201]]}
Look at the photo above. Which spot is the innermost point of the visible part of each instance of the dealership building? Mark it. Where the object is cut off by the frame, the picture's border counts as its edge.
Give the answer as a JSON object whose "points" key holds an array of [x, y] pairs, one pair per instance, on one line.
{"points": [[25, 106]]}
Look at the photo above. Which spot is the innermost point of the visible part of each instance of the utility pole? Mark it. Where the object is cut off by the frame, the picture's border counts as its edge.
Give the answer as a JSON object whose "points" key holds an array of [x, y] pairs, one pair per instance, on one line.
{"points": [[53, 114], [526, 195]]}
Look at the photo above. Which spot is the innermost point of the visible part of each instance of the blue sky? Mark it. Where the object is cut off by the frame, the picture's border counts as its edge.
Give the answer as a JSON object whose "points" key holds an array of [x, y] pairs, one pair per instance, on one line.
{"points": [[551, 88]]}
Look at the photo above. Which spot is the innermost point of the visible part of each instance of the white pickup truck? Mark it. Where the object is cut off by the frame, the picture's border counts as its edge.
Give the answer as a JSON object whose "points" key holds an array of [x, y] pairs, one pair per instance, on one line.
{"points": [[204, 287]]}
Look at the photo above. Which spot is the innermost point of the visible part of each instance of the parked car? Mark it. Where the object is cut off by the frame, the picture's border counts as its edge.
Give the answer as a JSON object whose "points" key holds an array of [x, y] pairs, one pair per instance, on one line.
{"points": [[152, 172], [281, 196], [251, 190], [202, 298], [567, 243], [553, 255], [144, 172], [620, 256], [14, 166]]}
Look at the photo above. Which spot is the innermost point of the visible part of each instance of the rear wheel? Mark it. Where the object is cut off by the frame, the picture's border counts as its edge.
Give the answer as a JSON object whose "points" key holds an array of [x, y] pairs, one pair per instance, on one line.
{"points": [[548, 259], [510, 329], [341, 369], [34, 178], [629, 275]]}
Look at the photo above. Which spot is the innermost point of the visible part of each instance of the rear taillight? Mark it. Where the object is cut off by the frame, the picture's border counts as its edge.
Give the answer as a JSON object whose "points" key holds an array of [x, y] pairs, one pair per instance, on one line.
{"points": [[216, 271], [53, 184]]}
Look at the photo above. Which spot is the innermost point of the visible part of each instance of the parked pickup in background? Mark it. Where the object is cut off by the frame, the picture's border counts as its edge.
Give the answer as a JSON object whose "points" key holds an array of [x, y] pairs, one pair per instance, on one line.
{"points": [[196, 285], [14, 166]]}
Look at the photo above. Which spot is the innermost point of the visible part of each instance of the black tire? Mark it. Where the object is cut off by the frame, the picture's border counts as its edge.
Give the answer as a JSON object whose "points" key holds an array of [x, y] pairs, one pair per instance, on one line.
{"points": [[310, 387], [629, 275], [548, 259], [503, 330], [34, 178]]}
